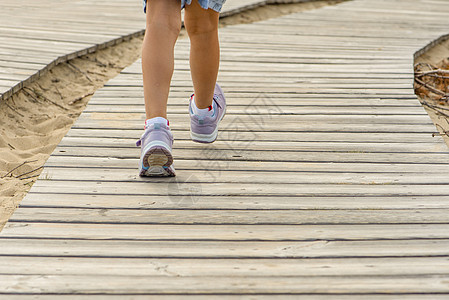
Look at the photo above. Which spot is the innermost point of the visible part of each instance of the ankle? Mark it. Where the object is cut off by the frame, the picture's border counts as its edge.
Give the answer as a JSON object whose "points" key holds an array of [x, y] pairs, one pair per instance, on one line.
{"points": [[154, 120], [202, 112], [202, 102]]}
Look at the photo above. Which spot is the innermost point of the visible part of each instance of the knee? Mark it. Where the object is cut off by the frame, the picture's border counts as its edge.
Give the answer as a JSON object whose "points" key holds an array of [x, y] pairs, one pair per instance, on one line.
{"points": [[162, 18], [198, 26], [164, 24]]}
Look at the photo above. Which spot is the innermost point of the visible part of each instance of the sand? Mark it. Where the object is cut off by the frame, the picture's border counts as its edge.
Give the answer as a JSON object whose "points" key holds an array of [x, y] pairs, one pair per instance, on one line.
{"points": [[34, 120]]}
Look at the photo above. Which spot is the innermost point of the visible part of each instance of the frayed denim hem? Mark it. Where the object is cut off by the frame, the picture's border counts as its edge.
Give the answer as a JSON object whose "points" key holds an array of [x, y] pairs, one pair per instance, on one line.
{"points": [[216, 5]]}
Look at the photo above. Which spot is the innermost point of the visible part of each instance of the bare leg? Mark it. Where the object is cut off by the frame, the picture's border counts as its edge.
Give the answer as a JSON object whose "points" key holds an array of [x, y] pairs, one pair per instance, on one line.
{"points": [[202, 28], [162, 29]]}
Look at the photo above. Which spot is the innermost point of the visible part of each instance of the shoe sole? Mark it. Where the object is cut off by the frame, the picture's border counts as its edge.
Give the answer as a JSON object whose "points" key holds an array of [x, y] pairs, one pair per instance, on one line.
{"points": [[157, 162], [207, 138]]}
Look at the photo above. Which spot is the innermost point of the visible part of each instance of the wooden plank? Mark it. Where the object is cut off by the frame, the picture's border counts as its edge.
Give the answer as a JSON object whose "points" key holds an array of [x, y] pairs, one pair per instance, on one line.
{"points": [[270, 138], [5, 65], [292, 89], [106, 163], [181, 98], [250, 127], [300, 74], [243, 176], [191, 234], [389, 39], [65, 200], [322, 29], [423, 266], [276, 78], [236, 248], [272, 110], [127, 121], [224, 217], [214, 297], [255, 140], [212, 155], [250, 285], [49, 35], [171, 188], [11, 78]]}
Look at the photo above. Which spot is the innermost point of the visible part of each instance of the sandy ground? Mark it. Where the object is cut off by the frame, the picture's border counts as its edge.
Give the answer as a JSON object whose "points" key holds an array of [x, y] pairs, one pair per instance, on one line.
{"points": [[33, 121]]}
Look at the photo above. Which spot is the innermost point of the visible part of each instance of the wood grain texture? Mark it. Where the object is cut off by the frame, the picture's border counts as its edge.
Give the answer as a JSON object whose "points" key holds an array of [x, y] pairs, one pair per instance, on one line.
{"points": [[327, 180], [84, 284], [56, 31]]}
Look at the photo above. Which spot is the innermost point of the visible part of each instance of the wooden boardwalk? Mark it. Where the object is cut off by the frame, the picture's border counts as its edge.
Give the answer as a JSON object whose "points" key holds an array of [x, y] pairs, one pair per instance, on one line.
{"points": [[36, 35], [325, 180]]}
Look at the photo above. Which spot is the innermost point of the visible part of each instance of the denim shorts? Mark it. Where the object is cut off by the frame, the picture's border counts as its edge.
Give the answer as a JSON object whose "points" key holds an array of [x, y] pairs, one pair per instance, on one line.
{"points": [[212, 4]]}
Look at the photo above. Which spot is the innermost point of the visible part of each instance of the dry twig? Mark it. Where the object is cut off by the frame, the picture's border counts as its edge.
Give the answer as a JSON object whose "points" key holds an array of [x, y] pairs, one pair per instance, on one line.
{"points": [[81, 98], [59, 93], [420, 74], [431, 88], [32, 176], [10, 172], [445, 132], [27, 92], [38, 168], [435, 108], [13, 109], [79, 70]]}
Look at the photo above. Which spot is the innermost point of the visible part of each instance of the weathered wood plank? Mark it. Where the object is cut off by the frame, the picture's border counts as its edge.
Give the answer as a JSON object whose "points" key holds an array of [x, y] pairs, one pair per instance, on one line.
{"points": [[257, 140], [226, 189], [349, 144], [272, 139], [282, 141], [294, 98], [214, 297], [199, 233], [401, 266], [223, 217], [238, 202], [269, 136], [207, 156], [106, 163], [243, 176], [130, 77], [251, 285], [225, 250], [284, 122], [272, 110]]}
